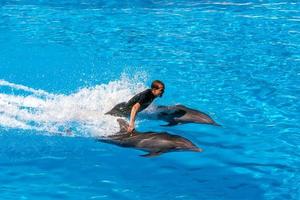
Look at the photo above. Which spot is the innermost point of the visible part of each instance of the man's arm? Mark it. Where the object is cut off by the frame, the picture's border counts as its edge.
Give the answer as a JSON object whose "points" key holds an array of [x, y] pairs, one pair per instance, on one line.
{"points": [[134, 110]]}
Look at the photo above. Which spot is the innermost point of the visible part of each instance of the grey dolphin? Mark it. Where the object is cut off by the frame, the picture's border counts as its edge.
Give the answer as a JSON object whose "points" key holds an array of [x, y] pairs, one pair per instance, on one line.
{"points": [[151, 142], [119, 110], [180, 114]]}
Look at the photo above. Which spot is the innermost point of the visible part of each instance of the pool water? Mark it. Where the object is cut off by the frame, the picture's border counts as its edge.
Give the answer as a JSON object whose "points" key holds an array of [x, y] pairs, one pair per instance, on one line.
{"points": [[63, 64]]}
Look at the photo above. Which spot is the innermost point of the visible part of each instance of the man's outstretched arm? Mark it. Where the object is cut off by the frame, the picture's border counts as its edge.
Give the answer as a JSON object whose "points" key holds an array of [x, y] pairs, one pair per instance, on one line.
{"points": [[134, 110]]}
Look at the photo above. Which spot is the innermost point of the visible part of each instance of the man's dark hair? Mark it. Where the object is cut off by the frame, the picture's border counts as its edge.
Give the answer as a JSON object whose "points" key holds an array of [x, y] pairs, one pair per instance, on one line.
{"points": [[155, 84]]}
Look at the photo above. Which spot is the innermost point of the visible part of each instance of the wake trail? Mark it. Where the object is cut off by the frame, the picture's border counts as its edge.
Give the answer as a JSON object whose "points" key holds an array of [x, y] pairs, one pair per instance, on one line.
{"points": [[81, 113]]}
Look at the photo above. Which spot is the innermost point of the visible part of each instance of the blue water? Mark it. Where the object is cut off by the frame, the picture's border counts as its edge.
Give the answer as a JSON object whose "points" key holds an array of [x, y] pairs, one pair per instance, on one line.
{"points": [[64, 63]]}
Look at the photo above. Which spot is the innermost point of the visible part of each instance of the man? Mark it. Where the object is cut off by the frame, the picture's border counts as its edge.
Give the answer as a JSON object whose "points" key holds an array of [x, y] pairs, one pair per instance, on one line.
{"points": [[138, 103]]}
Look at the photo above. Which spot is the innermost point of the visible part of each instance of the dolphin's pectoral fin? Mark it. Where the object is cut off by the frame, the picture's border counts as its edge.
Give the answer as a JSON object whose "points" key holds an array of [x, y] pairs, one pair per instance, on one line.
{"points": [[172, 113], [160, 107], [179, 113], [171, 123], [152, 154], [163, 114]]}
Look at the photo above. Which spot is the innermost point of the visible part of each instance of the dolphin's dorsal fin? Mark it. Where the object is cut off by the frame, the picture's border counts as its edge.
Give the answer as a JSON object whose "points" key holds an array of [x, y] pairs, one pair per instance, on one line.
{"points": [[123, 125], [171, 123], [152, 154]]}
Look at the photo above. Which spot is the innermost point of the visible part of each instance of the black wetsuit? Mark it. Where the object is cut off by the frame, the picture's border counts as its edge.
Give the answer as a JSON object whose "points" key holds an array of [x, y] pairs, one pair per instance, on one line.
{"points": [[124, 109]]}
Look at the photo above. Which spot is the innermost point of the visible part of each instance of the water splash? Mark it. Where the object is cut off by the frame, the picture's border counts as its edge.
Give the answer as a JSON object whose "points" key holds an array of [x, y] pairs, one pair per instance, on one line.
{"points": [[80, 113]]}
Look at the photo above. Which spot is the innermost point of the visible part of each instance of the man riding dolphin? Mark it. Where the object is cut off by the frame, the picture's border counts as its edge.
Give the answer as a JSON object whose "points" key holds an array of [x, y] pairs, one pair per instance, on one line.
{"points": [[178, 114], [138, 103]]}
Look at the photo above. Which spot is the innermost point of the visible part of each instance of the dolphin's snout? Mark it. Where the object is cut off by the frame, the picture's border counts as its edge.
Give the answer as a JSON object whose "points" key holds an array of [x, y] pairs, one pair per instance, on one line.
{"points": [[196, 149]]}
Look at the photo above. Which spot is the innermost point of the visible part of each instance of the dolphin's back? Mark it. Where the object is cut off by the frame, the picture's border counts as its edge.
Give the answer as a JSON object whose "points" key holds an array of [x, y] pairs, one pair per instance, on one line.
{"points": [[156, 142], [182, 114]]}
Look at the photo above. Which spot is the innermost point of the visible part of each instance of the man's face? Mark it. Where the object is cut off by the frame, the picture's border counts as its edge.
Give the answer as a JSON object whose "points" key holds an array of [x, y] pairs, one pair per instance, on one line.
{"points": [[158, 92]]}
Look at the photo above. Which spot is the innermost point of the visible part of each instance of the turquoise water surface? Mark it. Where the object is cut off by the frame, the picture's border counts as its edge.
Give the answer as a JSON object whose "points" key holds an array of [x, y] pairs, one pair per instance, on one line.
{"points": [[63, 64]]}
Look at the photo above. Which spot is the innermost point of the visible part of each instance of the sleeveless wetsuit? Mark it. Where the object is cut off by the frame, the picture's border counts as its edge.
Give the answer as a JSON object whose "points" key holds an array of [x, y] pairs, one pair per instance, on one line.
{"points": [[124, 109]]}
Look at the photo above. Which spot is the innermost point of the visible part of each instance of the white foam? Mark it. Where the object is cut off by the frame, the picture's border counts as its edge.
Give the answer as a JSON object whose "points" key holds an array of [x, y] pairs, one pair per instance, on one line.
{"points": [[24, 88], [82, 111]]}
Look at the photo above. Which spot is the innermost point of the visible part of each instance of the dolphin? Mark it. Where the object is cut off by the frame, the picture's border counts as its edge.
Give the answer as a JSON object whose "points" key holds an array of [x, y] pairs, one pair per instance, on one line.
{"points": [[180, 114], [119, 110], [152, 142]]}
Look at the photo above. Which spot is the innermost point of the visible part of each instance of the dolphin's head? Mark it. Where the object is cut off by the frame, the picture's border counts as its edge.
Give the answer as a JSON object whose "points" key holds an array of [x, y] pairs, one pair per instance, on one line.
{"points": [[186, 145]]}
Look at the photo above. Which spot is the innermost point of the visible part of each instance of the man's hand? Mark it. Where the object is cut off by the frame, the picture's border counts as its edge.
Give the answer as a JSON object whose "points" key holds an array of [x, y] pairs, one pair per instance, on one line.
{"points": [[130, 129]]}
